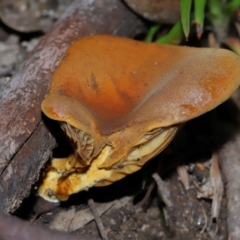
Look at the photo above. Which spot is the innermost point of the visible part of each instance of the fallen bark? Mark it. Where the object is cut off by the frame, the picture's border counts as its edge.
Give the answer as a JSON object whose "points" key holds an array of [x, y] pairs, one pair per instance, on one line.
{"points": [[229, 156], [12, 228], [25, 142]]}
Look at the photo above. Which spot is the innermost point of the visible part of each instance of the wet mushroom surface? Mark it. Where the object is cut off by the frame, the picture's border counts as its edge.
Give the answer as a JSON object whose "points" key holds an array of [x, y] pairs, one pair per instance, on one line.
{"points": [[120, 102]]}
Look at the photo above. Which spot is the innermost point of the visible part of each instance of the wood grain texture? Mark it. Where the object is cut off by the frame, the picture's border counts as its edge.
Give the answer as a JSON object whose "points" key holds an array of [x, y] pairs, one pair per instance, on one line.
{"points": [[229, 158]]}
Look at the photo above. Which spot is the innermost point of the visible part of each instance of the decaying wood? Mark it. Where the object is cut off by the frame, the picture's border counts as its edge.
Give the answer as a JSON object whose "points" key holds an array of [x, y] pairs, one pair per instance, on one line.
{"points": [[24, 168], [25, 142], [229, 156], [12, 228]]}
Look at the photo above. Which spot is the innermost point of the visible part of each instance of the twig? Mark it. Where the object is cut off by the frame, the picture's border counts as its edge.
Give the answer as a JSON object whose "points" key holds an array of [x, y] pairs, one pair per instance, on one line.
{"points": [[146, 197], [183, 176], [217, 182], [206, 220], [98, 220], [162, 189]]}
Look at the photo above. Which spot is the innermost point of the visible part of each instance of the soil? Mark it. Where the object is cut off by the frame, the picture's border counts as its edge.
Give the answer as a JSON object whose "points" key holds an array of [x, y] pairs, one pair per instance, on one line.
{"points": [[190, 217], [187, 220]]}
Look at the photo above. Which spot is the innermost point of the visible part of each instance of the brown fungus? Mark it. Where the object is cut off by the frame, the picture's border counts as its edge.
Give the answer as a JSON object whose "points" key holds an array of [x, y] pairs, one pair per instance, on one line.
{"points": [[120, 102]]}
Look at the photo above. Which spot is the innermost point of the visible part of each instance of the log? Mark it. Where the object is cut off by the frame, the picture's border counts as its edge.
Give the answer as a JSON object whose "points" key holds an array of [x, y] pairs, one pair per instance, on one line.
{"points": [[229, 157], [12, 228], [26, 143]]}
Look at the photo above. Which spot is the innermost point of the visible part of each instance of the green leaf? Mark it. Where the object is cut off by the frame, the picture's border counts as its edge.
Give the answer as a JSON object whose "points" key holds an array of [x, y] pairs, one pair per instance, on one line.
{"points": [[215, 12], [231, 7], [199, 14], [185, 6], [174, 36], [233, 44], [151, 33]]}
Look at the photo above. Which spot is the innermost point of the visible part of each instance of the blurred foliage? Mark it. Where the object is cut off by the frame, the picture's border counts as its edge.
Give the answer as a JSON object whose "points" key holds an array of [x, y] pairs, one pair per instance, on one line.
{"points": [[199, 15], [151, 33], [174, 36], [194, 13], [185, 6]]}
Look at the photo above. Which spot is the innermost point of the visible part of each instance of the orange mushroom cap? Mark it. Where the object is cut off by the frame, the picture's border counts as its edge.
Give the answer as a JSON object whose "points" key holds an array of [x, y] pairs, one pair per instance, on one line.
{"points": [[119, 82], [115, 92]]}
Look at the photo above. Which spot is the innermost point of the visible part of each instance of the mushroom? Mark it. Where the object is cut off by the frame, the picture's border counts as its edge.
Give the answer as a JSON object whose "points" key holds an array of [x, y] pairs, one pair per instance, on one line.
{"points": [[121, 101]]}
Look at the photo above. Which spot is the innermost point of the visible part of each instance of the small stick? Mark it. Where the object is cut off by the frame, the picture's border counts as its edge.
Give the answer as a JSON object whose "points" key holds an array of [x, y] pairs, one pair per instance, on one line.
{"points": [[217, 183], [166, 216], [206, 222], [162, 189], [98, 220], [146, 197], [183, 176]]}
